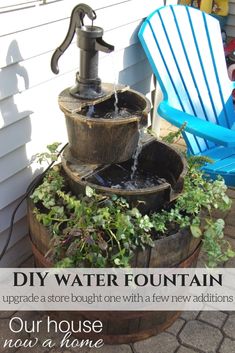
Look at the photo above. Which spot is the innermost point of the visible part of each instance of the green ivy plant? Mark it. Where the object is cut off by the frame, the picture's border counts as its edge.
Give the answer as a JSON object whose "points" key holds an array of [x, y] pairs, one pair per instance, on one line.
{"points": [[194, 208], [95, 230], [104, 231], [51, 155]]}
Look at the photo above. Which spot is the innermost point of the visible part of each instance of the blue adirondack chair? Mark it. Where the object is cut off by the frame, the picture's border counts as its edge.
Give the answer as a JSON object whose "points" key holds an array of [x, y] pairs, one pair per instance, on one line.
{"points": [[185, 50]]}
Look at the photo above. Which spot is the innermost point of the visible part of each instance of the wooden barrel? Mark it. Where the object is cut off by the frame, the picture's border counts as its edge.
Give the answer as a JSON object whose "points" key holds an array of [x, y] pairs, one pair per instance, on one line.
{"points": [[177, 250], [120, 327]]}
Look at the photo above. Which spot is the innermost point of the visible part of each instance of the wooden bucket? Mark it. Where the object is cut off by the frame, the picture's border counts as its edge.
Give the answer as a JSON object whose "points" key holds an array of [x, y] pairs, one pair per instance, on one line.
{"points": [[177, 250], [104, 141], [156, 158]]}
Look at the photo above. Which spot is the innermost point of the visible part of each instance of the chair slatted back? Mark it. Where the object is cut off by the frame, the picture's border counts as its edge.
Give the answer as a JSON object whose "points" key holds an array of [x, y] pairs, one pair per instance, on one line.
{"points": [[185, 49]]}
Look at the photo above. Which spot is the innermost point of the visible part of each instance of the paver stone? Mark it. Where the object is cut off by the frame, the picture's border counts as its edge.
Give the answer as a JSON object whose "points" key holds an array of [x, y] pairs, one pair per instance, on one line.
{"points": [[164, 343], [198, 335]]}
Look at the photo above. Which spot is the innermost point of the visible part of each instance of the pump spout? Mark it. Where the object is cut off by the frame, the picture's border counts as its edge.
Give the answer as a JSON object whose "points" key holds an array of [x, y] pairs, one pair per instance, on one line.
{"points": [[101, 45]]}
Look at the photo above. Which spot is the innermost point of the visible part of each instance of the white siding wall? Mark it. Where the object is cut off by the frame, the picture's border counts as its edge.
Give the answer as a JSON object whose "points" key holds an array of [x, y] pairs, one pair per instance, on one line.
{"points": [[230, 28], [29, 115]]}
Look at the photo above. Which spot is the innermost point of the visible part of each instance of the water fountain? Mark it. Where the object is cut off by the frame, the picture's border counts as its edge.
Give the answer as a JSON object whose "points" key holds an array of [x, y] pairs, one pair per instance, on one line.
{"points": [[105, 151], [104, 123]]}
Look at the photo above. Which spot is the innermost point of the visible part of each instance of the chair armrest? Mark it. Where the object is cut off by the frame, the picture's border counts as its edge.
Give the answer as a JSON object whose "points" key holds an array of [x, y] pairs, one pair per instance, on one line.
{"points": [[202, 128]]}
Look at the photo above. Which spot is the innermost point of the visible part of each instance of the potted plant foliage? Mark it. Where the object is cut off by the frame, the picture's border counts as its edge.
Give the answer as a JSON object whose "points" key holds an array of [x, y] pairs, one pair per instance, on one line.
{"points": [[104, 231], [97, 230]]}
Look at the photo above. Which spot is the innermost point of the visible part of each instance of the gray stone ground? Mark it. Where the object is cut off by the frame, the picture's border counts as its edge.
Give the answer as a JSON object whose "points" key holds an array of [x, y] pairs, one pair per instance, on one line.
{"points": [[202, 332]]}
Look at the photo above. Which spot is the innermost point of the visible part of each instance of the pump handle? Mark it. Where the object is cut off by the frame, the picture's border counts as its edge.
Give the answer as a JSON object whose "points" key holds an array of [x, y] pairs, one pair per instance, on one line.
{"points": [[76, 21]]}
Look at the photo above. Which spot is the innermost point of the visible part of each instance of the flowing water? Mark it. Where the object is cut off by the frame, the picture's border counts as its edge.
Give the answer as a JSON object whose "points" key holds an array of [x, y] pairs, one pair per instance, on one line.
{"points": [[111, 110], [139, 182], [115, 82], [116, 113], [115, 100], [136, 154], [91, 110]]}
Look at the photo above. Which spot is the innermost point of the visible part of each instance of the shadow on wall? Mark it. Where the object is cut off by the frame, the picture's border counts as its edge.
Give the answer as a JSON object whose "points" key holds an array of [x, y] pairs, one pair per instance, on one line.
{"points": [[14, 134], [9, 77], [137, 76]]}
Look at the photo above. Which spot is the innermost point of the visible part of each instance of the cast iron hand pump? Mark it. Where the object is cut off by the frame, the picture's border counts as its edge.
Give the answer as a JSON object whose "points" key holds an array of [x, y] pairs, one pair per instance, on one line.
{"points": [[90, 42]]}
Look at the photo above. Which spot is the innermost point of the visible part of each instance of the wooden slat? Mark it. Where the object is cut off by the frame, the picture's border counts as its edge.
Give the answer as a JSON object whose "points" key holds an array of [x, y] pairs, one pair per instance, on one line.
{"points": [[15, 135], [14, 187], [145, 86], [230, 31], [11, 111], [134, 73], [5, 214], [20, 158], [20, 229], [228, 165], [230, 20], [232, 9], [40, 15], [17, 254], [13, 3], [128, 12], [13, 162], [220, 153]]}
